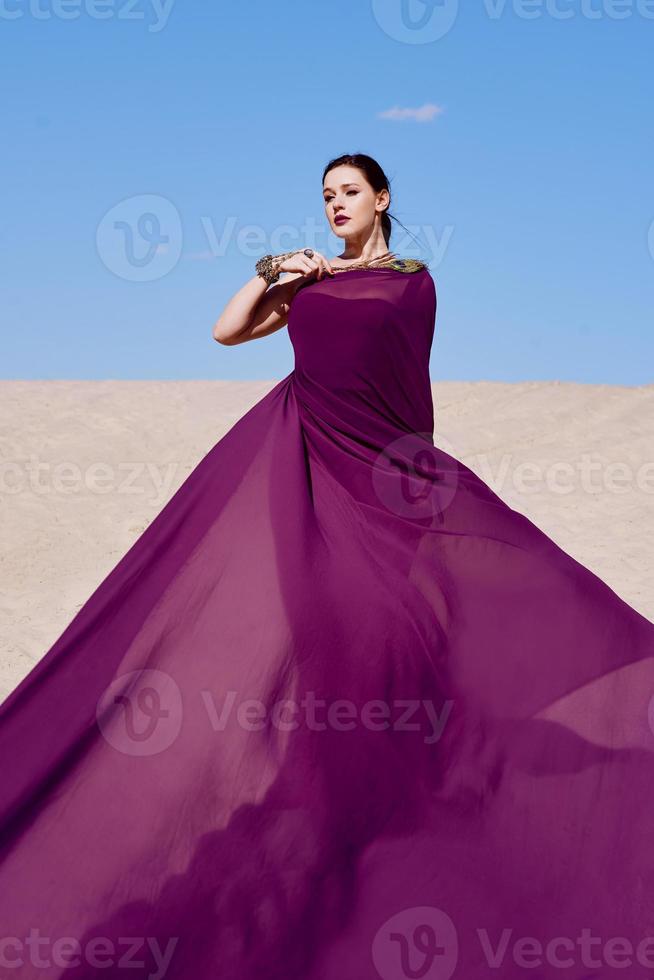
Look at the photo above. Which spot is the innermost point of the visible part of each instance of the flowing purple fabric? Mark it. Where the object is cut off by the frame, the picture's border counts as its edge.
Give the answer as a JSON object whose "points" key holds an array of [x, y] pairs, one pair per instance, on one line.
{"points": [[339, 713]]}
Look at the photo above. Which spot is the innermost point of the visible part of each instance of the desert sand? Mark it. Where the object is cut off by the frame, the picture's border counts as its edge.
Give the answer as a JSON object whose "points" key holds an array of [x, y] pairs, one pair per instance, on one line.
{"points": [[86, 465]]}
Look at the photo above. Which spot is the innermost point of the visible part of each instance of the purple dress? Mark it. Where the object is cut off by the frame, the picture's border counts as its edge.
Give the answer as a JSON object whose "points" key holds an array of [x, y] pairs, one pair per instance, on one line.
{"points": [[339, 713]]}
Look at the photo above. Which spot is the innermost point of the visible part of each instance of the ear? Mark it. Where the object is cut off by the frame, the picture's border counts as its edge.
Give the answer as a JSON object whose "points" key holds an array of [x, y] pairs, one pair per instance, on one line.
{"points": [[383, 200]]}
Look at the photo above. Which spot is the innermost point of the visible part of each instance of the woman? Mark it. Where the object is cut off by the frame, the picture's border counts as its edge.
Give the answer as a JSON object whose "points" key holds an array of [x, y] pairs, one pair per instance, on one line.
{"points": [[339, 712]]}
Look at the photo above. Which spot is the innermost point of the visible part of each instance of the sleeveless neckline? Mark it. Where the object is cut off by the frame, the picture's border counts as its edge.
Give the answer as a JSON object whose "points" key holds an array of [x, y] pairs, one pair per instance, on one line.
{"points": [[403, 272]]}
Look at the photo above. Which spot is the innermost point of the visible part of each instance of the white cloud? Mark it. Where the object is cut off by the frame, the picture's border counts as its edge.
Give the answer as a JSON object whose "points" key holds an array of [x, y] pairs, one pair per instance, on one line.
{"points": [[425, 113]]}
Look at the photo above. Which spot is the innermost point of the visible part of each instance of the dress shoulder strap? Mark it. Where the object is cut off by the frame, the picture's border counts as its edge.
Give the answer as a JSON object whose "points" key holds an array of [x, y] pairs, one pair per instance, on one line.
{"points": [[407, 265]]}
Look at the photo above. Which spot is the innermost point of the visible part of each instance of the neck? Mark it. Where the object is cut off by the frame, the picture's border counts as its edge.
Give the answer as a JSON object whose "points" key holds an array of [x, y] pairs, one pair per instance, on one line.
{"points": [[363, 249]]}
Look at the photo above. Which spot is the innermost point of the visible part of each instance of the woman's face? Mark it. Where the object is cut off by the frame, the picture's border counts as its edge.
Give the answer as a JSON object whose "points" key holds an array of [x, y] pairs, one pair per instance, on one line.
{"points": [[347, 194]]}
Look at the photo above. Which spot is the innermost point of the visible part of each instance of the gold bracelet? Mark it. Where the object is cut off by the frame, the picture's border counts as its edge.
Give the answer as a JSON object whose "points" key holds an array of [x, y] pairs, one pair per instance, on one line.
{"points": [[267, 266]]}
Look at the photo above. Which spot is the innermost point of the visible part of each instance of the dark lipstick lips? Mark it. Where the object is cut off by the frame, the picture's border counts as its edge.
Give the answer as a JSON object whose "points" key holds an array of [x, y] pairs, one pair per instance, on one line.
{"points": [[340, 220]]}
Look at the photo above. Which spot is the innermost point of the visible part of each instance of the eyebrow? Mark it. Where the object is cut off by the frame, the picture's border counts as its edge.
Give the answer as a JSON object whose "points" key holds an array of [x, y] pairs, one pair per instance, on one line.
{"points": [[350, 184]]}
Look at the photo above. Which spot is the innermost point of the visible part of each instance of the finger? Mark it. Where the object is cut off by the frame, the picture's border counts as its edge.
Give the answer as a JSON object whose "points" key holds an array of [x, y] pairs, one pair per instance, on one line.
{"points": [[327, 263]]}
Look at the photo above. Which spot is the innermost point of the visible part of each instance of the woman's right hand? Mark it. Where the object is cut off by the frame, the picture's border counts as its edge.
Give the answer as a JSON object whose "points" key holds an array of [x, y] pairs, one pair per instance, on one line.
{"points": [[316, 266]]}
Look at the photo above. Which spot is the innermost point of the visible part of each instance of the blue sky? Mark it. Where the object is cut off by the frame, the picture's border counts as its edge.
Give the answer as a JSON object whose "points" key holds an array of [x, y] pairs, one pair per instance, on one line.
{"points": [[518, 138]]}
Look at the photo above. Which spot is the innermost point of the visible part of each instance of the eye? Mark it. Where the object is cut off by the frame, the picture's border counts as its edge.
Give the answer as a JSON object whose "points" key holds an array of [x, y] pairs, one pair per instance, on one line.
{"points": [[328, 199]]}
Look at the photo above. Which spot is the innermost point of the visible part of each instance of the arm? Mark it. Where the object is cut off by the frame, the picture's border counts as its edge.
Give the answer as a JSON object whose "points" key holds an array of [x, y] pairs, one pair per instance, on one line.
{"points": [[256, 310]]}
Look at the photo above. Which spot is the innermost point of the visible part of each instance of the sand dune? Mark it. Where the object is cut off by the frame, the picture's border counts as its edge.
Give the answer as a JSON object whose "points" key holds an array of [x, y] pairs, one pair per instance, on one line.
{"points": [[86, 465]]}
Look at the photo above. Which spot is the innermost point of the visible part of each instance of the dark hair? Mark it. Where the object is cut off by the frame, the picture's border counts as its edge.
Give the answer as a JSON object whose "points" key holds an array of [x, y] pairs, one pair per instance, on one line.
{"points": [[375, 177]]}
